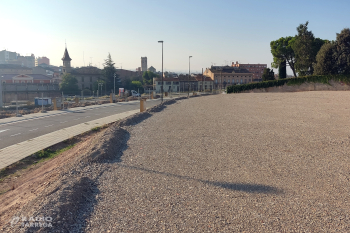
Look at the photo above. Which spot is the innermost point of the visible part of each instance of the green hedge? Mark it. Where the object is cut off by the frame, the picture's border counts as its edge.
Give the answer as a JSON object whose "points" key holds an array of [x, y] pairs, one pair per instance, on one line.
{"points": [[289, 81]]}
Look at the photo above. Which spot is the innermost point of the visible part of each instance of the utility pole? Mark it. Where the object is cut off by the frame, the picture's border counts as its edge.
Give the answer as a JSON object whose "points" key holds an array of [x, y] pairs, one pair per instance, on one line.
{"points": [[189, 74]]}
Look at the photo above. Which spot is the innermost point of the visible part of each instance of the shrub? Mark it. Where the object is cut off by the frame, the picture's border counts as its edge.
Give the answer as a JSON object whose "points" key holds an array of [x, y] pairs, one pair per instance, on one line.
{"points": [[289, 81]]}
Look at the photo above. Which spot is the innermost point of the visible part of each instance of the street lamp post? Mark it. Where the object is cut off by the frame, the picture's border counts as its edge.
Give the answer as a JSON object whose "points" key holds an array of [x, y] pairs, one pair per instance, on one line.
{"points": [[189, 74], [162, 71], [2, 77], [115, 74]]}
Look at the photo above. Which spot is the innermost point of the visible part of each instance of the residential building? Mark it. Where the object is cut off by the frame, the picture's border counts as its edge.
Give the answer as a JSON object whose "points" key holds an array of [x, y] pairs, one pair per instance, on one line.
{"points": [[143, 64], [124, 74], [227, 75], [6, 56], [14, 69], [256, 69], [26, 78], [86, 76], [169, 84], [204, 83], [28, 61], [152, 69], [41, 60]]}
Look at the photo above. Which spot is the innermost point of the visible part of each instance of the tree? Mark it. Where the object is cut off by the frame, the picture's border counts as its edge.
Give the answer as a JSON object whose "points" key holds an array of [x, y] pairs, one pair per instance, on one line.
{"points": [[147, 77], [282, 70], [282, 50], [136, 85], [334, 57], [268, 74], [342, 51], [69, 84], [325, 62], [108, 73]]}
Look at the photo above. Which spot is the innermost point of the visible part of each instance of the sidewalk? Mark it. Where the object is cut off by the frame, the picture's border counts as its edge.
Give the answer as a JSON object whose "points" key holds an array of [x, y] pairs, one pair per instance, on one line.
{"points": [[21, 150]]}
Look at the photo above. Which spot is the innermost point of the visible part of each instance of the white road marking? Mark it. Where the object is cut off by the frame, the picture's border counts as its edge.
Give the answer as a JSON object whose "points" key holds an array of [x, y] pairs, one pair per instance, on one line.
{"points": [[87, 116], [34, 129], [48, 125], [15, 134], [63, 122], [3, 130]]}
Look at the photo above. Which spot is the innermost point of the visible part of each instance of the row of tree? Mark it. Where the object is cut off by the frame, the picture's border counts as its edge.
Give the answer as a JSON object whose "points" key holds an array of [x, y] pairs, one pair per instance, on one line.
{"points": [[307, 55]]}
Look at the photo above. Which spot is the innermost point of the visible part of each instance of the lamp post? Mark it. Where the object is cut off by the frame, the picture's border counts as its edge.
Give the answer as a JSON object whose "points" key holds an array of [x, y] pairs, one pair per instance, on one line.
{"points": [[189, 74], [162, 72], [2, 77], [115, 74]]}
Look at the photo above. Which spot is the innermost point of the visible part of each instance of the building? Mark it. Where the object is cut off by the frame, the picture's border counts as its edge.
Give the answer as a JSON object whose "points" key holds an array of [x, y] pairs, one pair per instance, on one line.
{"points": [[26, 78], [204, 82], [227, 75], [41, 60], [256, 69], [14, 69], [28, 61], [86, 76], [152, 69], [6, 56], [143, 64], [169, 84], [124, 74]]}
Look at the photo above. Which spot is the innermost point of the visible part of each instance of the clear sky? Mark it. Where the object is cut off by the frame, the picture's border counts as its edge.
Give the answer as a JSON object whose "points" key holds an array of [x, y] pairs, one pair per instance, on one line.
{"points": [[217, 32]]}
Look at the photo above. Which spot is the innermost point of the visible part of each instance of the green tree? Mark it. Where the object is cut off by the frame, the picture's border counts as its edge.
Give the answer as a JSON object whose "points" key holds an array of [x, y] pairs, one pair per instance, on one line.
{"points": [[268, 74], [69, 84], [282, 50], [342, 51], [136, 85], [325, 62], [147, 77], [282, 70], [108, 73]]}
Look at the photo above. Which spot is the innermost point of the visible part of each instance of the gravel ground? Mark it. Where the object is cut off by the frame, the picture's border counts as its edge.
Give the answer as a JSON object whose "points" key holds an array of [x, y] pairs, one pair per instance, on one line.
{"points": [[260, 162]]}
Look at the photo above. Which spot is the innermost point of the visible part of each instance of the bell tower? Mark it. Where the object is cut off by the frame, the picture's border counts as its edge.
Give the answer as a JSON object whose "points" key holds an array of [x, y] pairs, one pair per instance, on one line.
{"points": [[66, 62]]}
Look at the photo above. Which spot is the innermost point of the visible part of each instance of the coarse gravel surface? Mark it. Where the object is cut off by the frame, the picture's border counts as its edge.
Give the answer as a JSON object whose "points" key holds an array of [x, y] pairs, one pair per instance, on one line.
{"points": [[253, 162]]}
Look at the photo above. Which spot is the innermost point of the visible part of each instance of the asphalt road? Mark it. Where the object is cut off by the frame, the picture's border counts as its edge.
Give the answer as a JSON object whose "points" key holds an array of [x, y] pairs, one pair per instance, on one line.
{"points": [[17, 132]]}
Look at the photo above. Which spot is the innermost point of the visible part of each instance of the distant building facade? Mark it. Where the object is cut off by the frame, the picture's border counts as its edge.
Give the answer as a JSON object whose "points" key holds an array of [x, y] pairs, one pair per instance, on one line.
{"points": [[86, 76], [169, 84], [152, 69], [256, 69], [6, 56], [26, 78], [41, 61], [143, 64], [14, 69], [227, 75]]}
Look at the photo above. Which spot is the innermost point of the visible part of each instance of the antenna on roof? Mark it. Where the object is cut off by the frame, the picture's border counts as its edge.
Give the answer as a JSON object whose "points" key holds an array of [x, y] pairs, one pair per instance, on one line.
{"points": [[65, 42]]}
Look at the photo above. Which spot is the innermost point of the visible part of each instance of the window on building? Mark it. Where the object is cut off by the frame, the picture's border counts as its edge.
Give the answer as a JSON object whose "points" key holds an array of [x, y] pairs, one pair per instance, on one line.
{"points": [[41, 81], [82, 79], [228, 81], [90, 79], [241, 80], [167, 83], [159, 83], [245, 80]]}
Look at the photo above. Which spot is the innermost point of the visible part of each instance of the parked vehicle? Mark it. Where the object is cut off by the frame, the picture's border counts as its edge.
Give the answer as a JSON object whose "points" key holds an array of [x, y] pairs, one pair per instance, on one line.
{"points": [[135, 93]]}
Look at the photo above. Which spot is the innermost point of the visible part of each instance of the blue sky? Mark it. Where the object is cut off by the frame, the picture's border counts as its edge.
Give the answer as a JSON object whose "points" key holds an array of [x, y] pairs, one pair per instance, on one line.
{"points": [[210, 31]]}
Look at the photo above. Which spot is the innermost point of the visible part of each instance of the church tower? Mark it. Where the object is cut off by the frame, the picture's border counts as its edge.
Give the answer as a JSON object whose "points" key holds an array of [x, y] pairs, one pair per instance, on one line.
{"points": [[66, 62]]}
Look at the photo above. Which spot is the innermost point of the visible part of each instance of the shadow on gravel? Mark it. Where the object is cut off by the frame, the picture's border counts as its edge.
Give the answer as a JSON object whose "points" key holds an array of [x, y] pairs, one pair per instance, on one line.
{"points": [[249, 188]]}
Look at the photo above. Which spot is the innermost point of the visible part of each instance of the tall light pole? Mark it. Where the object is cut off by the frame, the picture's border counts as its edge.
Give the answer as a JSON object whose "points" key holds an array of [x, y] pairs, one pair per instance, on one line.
{"points": [[162, 71], [189, 74], [115, 74], [2, 77]]}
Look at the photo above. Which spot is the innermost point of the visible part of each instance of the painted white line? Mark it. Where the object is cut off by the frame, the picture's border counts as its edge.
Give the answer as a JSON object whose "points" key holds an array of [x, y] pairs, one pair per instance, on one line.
{"points": [[87, 116], [15, 134], [63, 122], [77, 119], [48, 125], [34, 129], [3, 130]]}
